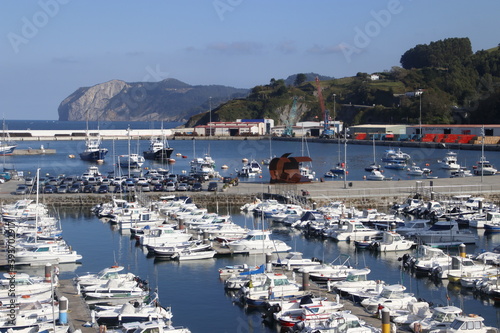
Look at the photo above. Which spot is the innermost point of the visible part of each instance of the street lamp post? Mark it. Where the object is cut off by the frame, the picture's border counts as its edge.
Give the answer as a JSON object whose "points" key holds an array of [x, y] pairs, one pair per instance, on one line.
{"points": [[210, 122], [420, 117], [334, 115]]}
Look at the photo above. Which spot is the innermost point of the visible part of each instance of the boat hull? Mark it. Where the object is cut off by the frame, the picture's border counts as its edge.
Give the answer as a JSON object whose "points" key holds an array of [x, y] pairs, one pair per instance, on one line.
{"points": [[162, 154], [94, 155]]}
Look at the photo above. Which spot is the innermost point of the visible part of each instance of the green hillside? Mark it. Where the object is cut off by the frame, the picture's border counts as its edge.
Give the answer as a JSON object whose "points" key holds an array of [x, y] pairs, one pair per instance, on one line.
{"points": [[459, 86]]}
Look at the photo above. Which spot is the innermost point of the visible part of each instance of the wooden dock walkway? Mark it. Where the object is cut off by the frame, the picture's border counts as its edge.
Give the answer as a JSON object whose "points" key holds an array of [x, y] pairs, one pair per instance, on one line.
{"points": [[78, 311]]}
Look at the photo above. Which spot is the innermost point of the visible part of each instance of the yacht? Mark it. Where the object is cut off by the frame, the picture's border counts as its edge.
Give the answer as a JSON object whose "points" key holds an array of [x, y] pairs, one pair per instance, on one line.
{"points": [[392, 155], [250, 169], [375, 174], [132, 161], [203, 167], [484, 168], [449, 162]]}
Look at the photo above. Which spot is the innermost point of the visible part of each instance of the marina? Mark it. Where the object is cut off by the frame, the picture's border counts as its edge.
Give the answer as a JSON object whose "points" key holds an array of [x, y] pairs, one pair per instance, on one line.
{"points": [[199, 278]]}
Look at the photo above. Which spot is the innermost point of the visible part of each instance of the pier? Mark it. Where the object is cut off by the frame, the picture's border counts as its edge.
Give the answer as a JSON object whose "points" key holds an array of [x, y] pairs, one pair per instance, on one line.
{"points": [[78, 311]]}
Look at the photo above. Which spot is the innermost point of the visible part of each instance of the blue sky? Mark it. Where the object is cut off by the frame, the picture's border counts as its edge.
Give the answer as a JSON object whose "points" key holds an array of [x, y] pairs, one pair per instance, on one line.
{"points": [[50, 48]]}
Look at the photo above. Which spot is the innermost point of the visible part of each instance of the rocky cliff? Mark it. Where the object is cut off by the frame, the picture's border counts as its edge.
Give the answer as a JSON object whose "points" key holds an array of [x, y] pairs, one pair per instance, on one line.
{"points": [[168, 100]]}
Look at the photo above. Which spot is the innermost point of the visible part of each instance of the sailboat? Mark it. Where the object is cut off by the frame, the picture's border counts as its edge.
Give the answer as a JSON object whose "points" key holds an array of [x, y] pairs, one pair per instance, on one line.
{"points": [[132, 160], [374, 165], [483, 167], [306, 170], [339, 169], [158, 148], [6, 146], [93, 151]]}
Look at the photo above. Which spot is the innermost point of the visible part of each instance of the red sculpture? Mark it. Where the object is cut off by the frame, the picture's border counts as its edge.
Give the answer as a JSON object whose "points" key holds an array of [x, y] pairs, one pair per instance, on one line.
{"points": [[286, 169]]}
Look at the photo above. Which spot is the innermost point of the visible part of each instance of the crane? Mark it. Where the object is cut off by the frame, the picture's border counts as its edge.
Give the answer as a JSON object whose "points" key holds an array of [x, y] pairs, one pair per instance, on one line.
{"points": [[327, 132], [288, 132]]}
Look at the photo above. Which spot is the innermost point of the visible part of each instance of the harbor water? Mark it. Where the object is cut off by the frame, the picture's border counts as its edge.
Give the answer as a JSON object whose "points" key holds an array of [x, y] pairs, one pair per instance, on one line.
{"points": [[194, 289]]}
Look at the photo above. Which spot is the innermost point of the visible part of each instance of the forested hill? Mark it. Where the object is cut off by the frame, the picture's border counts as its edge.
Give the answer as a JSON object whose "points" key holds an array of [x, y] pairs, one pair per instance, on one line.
{"points": [[459, 86]]}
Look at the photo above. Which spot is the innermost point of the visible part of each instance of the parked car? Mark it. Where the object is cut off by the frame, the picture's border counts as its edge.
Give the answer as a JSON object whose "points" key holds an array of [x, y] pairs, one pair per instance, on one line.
{"points": [[103, 188], [49, 189], [182, 187], [158, 187], [212, 186], [21, 189], [89, 188], [118, 189], [170, 187], [197, 187], [29, 181], [63, 188], [75, 188], [144, 187]]}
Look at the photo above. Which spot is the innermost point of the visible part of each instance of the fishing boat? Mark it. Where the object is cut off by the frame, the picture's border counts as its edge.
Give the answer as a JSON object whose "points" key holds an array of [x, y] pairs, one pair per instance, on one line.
{"points": [[158, 150], [203, 167], [93, 151]]}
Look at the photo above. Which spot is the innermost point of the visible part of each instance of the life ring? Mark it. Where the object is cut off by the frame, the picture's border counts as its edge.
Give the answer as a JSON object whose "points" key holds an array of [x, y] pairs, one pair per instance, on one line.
{"points": [[114, 266]]}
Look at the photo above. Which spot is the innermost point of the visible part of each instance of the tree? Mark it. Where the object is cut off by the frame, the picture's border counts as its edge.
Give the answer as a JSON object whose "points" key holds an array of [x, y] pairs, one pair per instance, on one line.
{"points": [[299, 79]]}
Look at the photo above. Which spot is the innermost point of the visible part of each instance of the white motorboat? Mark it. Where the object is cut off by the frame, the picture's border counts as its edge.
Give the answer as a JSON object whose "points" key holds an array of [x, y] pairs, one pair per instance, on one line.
{"points": [[375, 174], [24, 285], [294, 260], [392, 241], [168, 250], [427, 258], [127, 313], [444, 232], [187, 254], [203, 167], [392, 297], [356, 279], [354, 230], [470, 324], [490, 217], [413, 226], [250, 169], [458, 267], [115, 292], [339, 321], [462, 172], [392, 155], [484, 168], [163, 236], [158, 326], [138, 217], [131, 161], [308, 310], [415, 170], [108, 273], [258, 241], [276, 286], [47, 252], [225, 232], [247, 277], [441, 318], [449, 162]]}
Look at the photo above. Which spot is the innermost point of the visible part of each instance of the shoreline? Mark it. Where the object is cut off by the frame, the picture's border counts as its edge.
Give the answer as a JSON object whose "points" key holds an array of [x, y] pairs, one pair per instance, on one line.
{"points": [[110, 135]]}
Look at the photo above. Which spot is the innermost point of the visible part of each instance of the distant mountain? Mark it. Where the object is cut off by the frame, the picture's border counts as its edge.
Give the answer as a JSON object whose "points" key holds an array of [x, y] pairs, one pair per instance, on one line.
{"points": [[168, 100]]}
